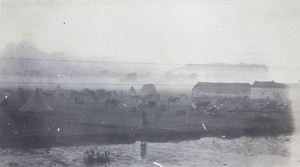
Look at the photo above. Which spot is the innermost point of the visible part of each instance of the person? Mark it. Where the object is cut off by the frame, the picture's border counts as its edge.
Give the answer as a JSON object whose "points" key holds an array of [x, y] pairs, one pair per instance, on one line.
{"points": [[143, 147], [5, 104], [76, 100], [96, 99], [144, 118]]}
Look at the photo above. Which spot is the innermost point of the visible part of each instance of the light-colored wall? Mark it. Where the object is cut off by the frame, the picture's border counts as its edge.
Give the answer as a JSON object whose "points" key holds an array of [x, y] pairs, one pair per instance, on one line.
{"points": [[198, 92], [256, 93]]}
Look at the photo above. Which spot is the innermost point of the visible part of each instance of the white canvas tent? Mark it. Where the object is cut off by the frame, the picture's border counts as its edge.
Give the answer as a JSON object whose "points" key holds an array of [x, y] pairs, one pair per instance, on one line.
{"points": [[35, 104], [277, 97], [58, 89], [132, 91]]}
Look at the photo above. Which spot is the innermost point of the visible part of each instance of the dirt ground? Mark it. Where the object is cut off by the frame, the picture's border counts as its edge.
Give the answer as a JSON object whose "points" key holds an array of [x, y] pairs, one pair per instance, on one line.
{"points": [[179, 116], [92, 117]]}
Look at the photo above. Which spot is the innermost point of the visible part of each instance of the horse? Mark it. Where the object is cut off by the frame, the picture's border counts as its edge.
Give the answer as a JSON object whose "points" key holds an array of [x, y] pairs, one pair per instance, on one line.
{"points": [[47, 95], [96, 99], [61, 95], [135, 97], [111, 102], [152, 97], [74, 92], [100, 93], [77, 101], [111, 94], [149, 104], [173, 100], [80, 102]]}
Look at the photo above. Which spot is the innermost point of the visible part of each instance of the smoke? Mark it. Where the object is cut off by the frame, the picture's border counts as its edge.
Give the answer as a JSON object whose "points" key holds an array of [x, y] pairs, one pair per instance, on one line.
{"points": [[37, 71], [14, 63], [15, 51]]}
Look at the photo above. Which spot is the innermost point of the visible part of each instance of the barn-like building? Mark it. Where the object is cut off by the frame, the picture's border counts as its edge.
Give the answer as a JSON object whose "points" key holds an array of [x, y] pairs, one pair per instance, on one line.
{"points": [[211, 89]]}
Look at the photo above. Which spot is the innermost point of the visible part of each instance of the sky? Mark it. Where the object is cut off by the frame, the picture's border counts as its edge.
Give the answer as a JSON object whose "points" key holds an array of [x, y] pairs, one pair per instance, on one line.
{"points": [[189, 31]]}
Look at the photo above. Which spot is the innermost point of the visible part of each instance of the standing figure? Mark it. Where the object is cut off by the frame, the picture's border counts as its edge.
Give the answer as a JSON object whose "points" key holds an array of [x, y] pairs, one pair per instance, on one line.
{"points": [[144, 118], [5, 104], [96, 99], [143, 147], [76, 100]]}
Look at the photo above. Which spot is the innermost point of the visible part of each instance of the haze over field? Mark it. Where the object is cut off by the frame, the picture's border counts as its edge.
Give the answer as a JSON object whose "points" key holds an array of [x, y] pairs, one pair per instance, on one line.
{"points": [[170, 42], [68, 69], [81, 71]]}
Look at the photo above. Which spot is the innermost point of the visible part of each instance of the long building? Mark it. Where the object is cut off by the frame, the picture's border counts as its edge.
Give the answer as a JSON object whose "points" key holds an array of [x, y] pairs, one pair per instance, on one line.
{"points": [[221, 89]]}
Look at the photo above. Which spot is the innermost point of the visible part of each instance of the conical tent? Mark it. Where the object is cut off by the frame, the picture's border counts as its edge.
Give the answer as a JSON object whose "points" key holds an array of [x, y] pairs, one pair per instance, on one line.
{"points": [[35, 104], [132, 91], [58, 88], [277, 97]]}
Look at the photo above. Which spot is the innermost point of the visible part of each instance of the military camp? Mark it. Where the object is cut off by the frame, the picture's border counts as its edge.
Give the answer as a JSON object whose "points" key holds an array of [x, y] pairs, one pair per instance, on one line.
{"points": [[79, 113]]}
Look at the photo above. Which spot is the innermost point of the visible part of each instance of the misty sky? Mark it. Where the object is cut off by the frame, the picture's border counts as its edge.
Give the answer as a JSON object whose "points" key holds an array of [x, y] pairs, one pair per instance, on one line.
{"points": [[187, 31]]}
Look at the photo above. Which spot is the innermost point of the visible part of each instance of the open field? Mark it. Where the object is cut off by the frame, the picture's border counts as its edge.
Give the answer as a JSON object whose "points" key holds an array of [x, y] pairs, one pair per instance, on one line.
{"points": [[80, 122]]}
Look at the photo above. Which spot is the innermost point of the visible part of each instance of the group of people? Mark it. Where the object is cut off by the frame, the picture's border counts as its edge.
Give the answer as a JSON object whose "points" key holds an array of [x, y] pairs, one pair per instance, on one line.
{"points": [[97, 157]]}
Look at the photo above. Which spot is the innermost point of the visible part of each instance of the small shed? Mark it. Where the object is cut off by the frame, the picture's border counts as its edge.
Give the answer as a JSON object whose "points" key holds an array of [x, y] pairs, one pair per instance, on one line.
{"points": [[148, 89]]}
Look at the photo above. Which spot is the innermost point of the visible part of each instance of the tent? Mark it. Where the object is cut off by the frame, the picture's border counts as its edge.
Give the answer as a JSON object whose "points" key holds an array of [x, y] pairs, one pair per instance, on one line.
{"points": [[35, 104], [132, 91], [58, 89], [277, 97], [148, 89]]}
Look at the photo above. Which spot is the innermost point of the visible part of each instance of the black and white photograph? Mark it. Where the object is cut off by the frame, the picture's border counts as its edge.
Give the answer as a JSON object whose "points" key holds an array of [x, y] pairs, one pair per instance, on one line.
{"points": [[149, 83]]}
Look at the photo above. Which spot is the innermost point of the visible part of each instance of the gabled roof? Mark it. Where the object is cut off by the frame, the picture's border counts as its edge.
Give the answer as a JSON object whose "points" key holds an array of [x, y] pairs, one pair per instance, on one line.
{"points": [[35, 104], [271, 84], [221, 84]]}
